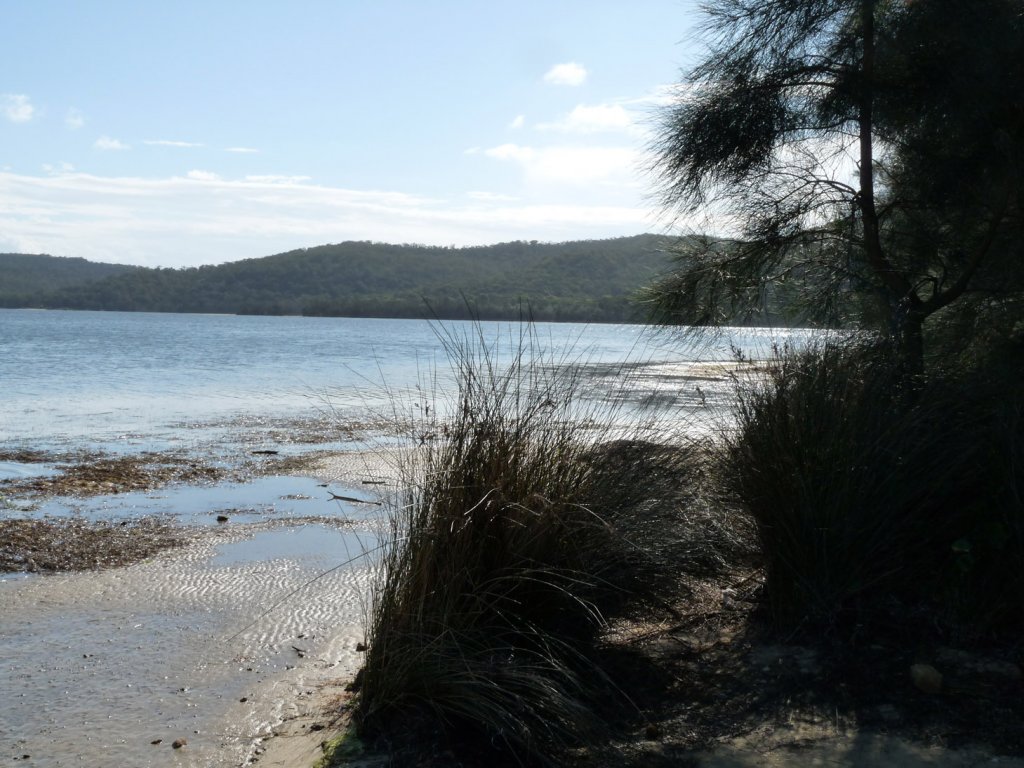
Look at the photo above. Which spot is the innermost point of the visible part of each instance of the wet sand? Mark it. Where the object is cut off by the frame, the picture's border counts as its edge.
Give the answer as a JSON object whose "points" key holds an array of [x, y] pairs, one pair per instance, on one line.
{"points": [[100, 664], [240, 633]]}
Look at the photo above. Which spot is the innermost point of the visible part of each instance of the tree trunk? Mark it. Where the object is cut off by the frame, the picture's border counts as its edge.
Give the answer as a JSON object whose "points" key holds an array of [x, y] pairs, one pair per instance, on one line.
{"points": [[895, 283]]}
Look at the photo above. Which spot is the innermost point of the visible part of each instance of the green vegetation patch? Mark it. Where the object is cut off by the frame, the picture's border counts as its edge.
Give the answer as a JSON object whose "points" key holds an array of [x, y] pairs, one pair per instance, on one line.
{"points": [[589, 281]]}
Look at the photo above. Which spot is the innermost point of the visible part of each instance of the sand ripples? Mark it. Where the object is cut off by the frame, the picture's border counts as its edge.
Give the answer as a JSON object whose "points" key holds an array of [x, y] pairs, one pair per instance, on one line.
{"points": [[102, 664]]}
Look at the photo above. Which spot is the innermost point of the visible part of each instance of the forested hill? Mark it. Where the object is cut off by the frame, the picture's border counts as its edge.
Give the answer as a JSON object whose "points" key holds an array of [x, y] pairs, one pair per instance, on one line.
{"points": [[23, 276], [591, 280]]}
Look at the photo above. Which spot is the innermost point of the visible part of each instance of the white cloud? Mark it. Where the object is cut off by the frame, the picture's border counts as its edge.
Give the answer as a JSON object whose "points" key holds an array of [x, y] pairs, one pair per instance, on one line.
{"points": [[490, 197], [518, 122], [202, 176], [277, 179], [108, 144], [594, 119], [666, 95], [572, 164], [16, 107], [170, 143], [74, 119], [179, 222], [509, 152], [569, 73], [243, 150]]}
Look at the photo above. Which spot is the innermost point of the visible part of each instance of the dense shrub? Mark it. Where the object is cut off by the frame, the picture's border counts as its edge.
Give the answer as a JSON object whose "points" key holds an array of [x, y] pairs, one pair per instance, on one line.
{"points": [[872, 501]]}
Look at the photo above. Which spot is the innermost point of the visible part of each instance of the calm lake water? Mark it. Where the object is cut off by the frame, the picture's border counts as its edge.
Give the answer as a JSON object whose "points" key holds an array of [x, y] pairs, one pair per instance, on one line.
{"points": [[114, 380]]}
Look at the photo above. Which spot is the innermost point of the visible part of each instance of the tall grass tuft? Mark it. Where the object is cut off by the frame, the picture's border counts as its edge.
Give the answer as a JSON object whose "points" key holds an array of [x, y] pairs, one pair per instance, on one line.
{"points": [[510, 548], [872, 503]]}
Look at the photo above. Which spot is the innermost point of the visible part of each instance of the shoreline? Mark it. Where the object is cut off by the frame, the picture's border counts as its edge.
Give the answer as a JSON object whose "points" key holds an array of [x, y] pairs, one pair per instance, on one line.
{"points": [[243, 687], [172, 648], [220, 641]]}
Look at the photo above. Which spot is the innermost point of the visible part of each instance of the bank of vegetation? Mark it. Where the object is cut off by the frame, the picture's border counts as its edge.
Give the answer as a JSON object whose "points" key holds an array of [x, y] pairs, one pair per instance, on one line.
{"points": [[557, 590], [586, 281]]}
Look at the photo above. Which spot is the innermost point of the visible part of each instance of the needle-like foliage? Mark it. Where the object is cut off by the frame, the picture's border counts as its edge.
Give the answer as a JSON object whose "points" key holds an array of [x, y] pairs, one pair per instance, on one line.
{"points": [[866, 155]]}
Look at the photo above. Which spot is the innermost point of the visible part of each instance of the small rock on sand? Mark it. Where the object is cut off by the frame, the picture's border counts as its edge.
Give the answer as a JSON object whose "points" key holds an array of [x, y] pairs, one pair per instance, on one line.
{"points": [[926, 677]]}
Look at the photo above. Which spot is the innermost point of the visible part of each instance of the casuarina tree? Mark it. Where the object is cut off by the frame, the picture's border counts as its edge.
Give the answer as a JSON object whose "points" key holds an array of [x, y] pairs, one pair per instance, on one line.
{"points": [[869, 153]]}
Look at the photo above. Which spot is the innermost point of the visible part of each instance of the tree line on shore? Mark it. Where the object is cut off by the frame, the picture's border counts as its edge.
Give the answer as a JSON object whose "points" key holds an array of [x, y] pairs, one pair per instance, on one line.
{"points": [[587, 281]]}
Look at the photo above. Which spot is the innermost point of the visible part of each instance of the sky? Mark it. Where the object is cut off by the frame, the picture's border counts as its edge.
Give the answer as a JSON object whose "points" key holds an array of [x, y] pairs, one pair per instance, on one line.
{"points": [[195, 132]]}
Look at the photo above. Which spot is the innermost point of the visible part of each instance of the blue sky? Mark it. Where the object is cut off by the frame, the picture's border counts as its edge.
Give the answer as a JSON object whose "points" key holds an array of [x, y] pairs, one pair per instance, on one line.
{"points": [[175, 134]]}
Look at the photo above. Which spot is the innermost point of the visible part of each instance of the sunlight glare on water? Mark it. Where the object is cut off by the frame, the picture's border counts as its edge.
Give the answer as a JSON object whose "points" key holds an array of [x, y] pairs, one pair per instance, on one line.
{"points": [[104, 378]]}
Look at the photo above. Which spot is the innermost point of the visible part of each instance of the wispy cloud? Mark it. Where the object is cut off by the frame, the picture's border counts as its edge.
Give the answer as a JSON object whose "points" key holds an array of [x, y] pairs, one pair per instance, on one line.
{"points": [[242, 150], [490, 197], [60, 168], [179, 221], [598, 118], [569, 73], [202, 176], [276, 179], [108, 144], [666, 95], [74, 119], [16, 107], [170, 143], [518, 122]]}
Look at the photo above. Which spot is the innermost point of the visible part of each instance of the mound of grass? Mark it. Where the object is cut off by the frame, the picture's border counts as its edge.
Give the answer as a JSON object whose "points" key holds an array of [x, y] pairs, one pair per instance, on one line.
{"points": [[524, 527], [872, 502]]}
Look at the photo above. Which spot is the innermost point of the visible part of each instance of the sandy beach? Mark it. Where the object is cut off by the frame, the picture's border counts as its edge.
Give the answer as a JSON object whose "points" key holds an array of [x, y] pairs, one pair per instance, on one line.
{"points": [[237, 638], [247, 630], [238, 645]]}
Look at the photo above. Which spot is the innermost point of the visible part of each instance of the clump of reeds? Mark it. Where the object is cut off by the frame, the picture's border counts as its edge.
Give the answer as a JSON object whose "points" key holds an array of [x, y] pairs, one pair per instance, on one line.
{"points": [[873, 501], [515, 540]]}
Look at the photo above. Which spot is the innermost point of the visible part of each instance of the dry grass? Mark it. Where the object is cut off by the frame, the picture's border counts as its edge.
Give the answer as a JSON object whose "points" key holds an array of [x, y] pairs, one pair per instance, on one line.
{"points": [[526, 524]]}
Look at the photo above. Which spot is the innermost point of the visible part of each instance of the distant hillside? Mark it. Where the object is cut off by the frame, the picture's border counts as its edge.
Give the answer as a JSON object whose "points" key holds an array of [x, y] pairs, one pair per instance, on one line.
{"points": [[23, 276], [589, 280]]}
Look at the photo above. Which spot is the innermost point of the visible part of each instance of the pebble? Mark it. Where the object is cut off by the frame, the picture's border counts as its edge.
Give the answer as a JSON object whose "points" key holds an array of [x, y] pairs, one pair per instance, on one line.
{"points": [[926, 677]]}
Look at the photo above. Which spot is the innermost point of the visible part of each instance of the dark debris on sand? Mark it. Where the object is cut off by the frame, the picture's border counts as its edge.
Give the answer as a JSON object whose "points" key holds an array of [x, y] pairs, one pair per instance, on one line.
{"points": [[77, 545], [99, 475]]}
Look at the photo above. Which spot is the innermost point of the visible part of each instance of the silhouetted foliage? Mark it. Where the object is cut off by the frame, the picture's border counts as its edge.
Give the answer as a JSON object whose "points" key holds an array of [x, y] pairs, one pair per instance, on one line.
{"points": [[867, 148]]}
